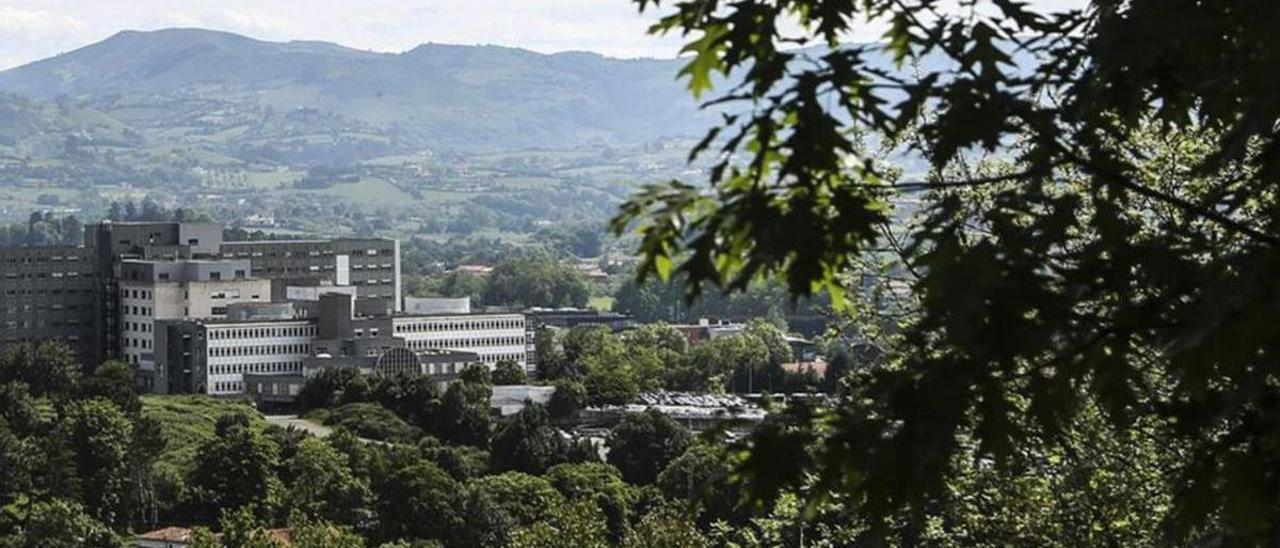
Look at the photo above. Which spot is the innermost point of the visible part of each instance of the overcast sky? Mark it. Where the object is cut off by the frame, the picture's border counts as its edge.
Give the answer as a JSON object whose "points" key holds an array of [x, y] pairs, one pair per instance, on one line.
{"points": [[34, 29]]}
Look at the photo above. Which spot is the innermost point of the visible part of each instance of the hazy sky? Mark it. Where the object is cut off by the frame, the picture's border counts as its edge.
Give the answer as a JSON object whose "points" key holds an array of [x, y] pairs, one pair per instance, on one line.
{"points": [[35, 29]]}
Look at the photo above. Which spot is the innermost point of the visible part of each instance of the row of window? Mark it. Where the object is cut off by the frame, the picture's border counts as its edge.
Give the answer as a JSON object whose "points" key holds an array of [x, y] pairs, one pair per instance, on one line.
{"points": [[28, 324], [135, 294], [258, 350], [371, 252], [277, 389], [262, 332], [46, 292], [459, 325], [465, 343], [230, 387], [43, 275], [131, 342], [142, 327], [67, 338], [28, 308], [43, 259], [136, 310], [266, 367], [495, 358]]}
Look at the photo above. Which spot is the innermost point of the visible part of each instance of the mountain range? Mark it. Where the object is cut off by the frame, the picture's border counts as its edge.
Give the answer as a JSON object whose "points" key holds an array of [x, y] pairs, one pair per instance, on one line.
{"points": [[470, 97]]}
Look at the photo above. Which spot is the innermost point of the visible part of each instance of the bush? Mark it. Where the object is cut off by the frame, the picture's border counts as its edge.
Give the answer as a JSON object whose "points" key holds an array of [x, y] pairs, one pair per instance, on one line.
{"points": [[508, 373], [372, 421]]}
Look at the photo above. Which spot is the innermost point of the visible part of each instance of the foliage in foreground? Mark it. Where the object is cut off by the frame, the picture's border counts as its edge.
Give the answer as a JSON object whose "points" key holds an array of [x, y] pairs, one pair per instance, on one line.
{"points": [[1117, 256]]}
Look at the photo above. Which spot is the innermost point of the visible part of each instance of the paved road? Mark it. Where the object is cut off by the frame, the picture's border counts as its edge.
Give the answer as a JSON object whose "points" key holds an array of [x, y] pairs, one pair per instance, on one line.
{"points": [[285, 421]]}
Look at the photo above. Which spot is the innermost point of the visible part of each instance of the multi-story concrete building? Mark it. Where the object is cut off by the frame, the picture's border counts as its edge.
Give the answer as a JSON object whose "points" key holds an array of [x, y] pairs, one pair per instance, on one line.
{"points": [[51, 293], [213, 356], [152, 291], [494, 337], [372, 266], [76, 294]]}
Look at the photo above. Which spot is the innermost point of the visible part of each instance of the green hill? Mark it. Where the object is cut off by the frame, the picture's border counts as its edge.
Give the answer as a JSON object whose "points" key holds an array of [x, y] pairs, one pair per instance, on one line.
{"points": [[459, 96], [188, 422]]}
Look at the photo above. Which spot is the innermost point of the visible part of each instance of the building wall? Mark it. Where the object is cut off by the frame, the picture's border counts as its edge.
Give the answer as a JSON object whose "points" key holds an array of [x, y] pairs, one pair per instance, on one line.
{"points": [[143, 303], [234, 349], [212, 357], [43, 296], [437, 305], [371, 265], [50, 293], [494, 337]]}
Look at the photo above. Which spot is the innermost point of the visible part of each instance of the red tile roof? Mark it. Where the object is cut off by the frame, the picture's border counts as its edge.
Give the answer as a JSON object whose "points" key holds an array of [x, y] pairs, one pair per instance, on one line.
{"points": [[168, 534]]}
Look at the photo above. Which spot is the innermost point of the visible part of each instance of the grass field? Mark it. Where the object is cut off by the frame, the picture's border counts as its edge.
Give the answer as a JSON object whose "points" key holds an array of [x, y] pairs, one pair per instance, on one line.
{"points": [[270, 180], [603, 304], [369, 190], [188, 422]]}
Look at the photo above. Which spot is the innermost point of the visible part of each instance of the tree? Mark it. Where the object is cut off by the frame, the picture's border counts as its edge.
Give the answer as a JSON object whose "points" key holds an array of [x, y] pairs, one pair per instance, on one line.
{"points": [[334, 386], [569, 399], [528, 443], [600, 484], [666, 527], [113, 381], [241, 529], [461, 462], [535, 280], [461, 284], [19, 458], [642, 444], [730, 362], [305, 532], [575, 525], [464, 410], [653, 349], [18, 408], [777, 351], [372, 421], [660, 336], [702, 476], [607, 369], [415, 398], [418, 500], [1115, 251], [508, 372], [609, 383], [95, 437], [146, 481], [548, 355], [322, 486], [49, 368], [497, 505], [61, 524], [237, 468], [591, 340]]}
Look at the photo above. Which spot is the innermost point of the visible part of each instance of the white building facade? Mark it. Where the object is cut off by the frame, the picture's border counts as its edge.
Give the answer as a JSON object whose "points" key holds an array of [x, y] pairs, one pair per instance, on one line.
{"points": [[233, 349], [494, 337], [151, 291]]}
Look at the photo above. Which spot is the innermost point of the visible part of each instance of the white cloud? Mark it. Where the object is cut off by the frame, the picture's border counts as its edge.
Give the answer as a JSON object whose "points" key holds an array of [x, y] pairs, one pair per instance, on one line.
{"points": [[14, 20], [29, 34]]}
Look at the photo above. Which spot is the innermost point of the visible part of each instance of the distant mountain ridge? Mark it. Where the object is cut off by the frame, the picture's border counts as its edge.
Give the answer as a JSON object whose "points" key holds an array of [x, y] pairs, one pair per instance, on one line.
{"points": [[466, 96]]}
